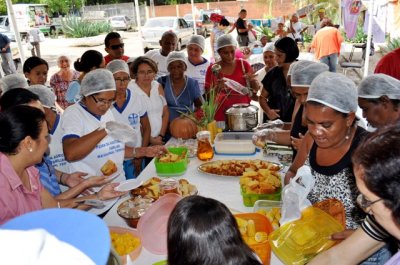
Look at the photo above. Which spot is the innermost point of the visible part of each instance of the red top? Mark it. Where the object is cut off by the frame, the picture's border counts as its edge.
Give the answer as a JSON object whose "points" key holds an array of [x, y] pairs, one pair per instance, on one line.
{"points": [[108, 59], [389, 64], [233, 97]]}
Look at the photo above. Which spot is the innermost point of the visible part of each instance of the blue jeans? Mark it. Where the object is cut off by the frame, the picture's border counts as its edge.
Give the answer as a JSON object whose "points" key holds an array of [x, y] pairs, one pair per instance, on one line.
{"points": [[331, 61], [378, 258]]}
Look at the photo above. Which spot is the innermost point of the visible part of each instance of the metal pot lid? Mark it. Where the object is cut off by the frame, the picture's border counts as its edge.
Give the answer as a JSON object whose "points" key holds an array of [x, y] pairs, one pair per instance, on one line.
{"points": [[241, 109]]}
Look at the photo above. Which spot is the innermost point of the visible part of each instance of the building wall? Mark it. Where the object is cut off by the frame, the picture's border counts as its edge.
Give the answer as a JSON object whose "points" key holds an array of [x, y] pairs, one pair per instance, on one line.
{"points": [[255, 8]]}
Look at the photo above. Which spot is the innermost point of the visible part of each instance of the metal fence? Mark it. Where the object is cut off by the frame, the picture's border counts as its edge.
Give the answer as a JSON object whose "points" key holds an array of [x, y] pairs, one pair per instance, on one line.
{"points": [[99, 12]]}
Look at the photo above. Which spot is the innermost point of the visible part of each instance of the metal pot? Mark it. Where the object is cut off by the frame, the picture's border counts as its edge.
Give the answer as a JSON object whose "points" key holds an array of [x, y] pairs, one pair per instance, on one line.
{"points": [[241, 117]]}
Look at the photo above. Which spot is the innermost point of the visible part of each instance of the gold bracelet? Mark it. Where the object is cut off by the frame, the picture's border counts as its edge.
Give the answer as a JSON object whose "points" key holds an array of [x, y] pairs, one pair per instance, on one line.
{"points": [[134, 152]]}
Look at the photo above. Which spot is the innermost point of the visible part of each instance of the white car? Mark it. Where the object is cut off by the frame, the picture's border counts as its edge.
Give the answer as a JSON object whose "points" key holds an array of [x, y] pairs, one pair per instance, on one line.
{"points": [[154, 28], [121, 22]]}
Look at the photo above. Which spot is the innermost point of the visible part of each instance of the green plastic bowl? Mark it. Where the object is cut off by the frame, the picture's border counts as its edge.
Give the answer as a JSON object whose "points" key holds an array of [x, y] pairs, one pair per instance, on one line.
{"points": [[173, 168]]}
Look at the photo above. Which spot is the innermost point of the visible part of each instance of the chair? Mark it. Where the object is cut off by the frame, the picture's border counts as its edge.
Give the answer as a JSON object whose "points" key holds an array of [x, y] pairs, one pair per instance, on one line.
{"points": [[354, 65]]}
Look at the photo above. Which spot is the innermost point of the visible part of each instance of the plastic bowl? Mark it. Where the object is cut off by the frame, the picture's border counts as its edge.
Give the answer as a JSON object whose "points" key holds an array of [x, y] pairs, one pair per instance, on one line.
{"points": [[153, 224], [250, 198], [173, 168], [132, 209], [299, 241], [261, 223], [136, 252]]}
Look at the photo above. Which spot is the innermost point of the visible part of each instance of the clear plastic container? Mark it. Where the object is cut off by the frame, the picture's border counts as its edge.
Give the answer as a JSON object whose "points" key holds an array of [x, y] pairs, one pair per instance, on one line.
{"points": [[271, 209], [299, 241], [234, 143]]}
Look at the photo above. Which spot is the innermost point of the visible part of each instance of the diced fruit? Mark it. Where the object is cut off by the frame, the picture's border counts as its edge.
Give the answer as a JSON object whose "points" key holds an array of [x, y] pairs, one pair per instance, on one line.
{"points": [[261, 237], [251, 228]]}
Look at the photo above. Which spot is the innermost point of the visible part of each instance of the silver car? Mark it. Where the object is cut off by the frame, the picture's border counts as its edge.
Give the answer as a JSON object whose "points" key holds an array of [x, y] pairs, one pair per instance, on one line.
{"points": [[154, 28], [121, 23]]}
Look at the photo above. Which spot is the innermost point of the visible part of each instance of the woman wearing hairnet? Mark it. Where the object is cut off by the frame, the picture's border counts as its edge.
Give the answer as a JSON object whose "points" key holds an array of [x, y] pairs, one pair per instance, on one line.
{"points": [[230, 68], [269, 61], [91, 136], [276, 100], [331, 138], [131, 110], [378, 97], [181, 91], [302, 74]]}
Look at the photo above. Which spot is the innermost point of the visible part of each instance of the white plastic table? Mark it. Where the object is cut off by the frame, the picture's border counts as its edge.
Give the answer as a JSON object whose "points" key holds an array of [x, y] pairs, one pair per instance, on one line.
{"points": [[222, 188]]}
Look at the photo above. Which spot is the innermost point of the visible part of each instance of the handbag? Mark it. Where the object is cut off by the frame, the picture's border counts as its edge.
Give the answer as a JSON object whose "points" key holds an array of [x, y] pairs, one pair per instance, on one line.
{"points": [[41, 37]]}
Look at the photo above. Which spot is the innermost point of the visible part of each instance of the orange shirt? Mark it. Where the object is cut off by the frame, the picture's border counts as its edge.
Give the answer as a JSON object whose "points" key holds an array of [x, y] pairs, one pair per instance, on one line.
{"points": [[326, 42]]}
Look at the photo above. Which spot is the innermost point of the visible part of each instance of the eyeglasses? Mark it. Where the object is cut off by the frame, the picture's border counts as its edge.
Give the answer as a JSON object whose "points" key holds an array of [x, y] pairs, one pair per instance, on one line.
{"points": [[117, 46], [122, 80], [150, 72], [103, 102], [365, 203]]}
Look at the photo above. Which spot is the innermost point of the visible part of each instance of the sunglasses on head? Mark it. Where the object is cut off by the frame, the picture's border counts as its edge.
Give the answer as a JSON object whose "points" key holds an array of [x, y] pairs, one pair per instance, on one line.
{"points": [[117, 46]]}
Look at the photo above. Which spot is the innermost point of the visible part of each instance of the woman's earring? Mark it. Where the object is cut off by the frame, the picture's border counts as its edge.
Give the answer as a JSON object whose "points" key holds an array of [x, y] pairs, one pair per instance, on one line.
{"points": [[30, 149], [347, 137]]}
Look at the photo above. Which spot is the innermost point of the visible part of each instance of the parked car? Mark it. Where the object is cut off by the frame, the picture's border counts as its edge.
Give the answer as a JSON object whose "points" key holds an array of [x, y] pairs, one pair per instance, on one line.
{"points": [[154, 28], [204, 25], [121, 23]]}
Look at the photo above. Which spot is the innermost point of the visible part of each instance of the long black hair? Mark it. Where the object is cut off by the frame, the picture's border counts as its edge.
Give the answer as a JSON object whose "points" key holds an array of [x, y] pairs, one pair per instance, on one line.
{"points": [[202, 231], [16, 123]]}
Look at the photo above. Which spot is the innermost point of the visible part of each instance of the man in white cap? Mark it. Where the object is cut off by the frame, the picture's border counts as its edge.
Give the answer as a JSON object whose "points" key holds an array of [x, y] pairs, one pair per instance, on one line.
{"points": [[197, 65]]}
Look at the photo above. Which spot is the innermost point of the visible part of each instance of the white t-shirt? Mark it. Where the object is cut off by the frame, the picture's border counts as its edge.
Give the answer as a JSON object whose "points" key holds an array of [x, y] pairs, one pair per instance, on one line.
{"points": [[161, 61], [298, 27], [77, 121], [131, 112], [155, 105], [198, 72], [56, 153]]}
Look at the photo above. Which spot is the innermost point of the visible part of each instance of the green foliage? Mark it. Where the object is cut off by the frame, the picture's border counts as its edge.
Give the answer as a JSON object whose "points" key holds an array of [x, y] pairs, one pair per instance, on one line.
{"points": [[307, 38], [261, 30], [75, 27], [393, 44], [360, 36]]}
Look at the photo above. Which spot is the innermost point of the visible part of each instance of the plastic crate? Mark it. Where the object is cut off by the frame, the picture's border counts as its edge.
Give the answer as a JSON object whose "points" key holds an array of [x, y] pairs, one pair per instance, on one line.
{"points": [[263, 250], [249, 198], [173, 168]]}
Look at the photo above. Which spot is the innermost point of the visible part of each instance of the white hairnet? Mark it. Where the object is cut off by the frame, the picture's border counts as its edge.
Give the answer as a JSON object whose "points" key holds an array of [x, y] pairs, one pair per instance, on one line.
{"points": [[269, 47], [197, 40], [176, 56], [226, 40], [45, 94], [290, 70], [13, 81], [377, 85], [335, 91], [96, 81], [304, 72], [116, 66]]}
